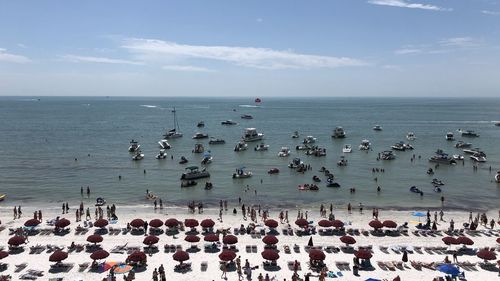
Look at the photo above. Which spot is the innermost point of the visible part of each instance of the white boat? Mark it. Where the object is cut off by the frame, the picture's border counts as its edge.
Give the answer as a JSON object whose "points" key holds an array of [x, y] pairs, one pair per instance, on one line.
{"points": [[261, 147], [162, 154], [295, 135], [462, 144], [198, 148], [449, 136], [468, 133], [240, 146], [365, 145], [216, 141], [134, 146], [458, 157], [410, 136], [284, 152], [246, 116], [338, 133], [207, 159], [387, 155], [175, 132], [478, 157], [251, 134], [442, 158], [316, 151], [164, 144], [200, 136], [497, 177], [138, 156], [309, 140], [347, 148], [193, 173], [472, 150], [241, 173], [228, 122], [377, 128]]}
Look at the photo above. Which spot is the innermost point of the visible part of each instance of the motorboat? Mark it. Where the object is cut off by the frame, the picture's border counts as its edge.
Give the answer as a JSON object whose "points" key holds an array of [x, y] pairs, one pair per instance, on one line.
{"points": [[365, 145], [188, 183], [3, 196], [473, 150], [162, 154], [458, 157], [377, 128], [316, 179], [497, 177], [295, 135], [303, 147], [347, 148], [295, 163], [497, 124], [200, 124], [342, 162], [410, 136], [251, 134], [261, 147], [100, 202], [273, 171], [240, 146], [200, 136], [134, 146], [138, 156], [316, 151], [338, 133], [387, 155], [150, 196], [207, 158], [198, 148], [307, 186], [175, 132], [414, 189], [228, 122], [478, 157], [208, 185], [216, 141], [449, 136], [437, 182], [468, 133], [193, 173], [430, 171], [284, 152], [183, 160], [164, 144], [442, 158], [241, 173], [462, 144], [437, 189], [246, 116], [401, 146], [309, 140], [332, 184]]}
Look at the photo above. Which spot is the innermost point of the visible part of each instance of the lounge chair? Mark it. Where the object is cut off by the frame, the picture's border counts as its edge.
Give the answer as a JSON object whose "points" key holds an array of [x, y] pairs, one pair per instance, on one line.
{"points": [[204, 266]]}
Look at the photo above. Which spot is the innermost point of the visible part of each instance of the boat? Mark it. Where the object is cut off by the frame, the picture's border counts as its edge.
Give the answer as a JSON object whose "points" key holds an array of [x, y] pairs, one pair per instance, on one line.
{"points": [[497, 177], [228, 122], [399, 146], [449, 136], [295, 163], [347, 148], [342, 162], [183, 160], [134, 146], [246, 116], [188, 183], [208, 185], [240, 146], [164, 144], [430, 171], [2, 197], [261, 147], [331, 183], [497, 124], [462, 144], [151, 196], [241, 173], [468, 133], [216, 141], [193, 173], [258, 100], [273, 171], [303, 147], [138, 156], [207, 158], [414, 189], [365, 145], [307, 186], [200, 136], [478, 157], [442, 158], [338, 133], [309, 140], [198, 148], [437, 182], [316, 151], [316, 179], [100, 202], [251, 134], [162, 154], [377, 128], [387, 155], [295, 135], [437, 189], [284, 152], [410, 136], [200, 124], [175, 132], [458, 157], [473, 151]]}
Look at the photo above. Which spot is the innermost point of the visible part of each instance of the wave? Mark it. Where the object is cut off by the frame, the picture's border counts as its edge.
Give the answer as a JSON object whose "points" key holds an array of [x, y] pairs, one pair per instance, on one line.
{"points": [[457, 122], [148, 106], [249, 105]]}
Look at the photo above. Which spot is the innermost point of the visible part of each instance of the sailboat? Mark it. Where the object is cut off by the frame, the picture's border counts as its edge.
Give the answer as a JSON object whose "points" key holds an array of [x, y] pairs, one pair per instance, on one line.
{"points": [[174, 133]]}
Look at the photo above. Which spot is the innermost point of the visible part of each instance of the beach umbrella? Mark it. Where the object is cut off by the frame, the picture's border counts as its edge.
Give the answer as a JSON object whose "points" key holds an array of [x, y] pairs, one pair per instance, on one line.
{"points": [[363, 254], [94, 238], [448, 240], [107, 265], [181, 256], [31, 223], [122, 268], [486, 255], [230, 239], [171, 223], [191, 223], [62, 223], [270, 255], [316, 255], [372, 279], [389, 224], [271, 223], [99, 254], [58, 256], [465, 240], [16, 240], [137, 223], [211, 237], [302, 222], [348, 240], [270, 240], [137, 256], [448, 269], [310, 242], [192, 238], [101, 223], [325, 223], [156, 223], [207, 223], [227, 255], [376, 224], [498, 240], [3, 254], [337, 223], [150, 240]]}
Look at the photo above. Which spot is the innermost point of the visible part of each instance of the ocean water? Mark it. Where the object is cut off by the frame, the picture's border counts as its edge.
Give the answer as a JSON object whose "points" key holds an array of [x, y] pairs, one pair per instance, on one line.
{"points": [[40, 139]]}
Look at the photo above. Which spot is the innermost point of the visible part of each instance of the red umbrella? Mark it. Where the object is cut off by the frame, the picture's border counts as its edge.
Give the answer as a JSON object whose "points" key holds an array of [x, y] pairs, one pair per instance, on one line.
{"points": [[150, 240], [337, 224], [95, 238], [271, 223], [211, 237], [302, 222], [498, 240], [191, 223], [349, 240], [207, 223], [3, 254], [156, 223], [230, 239], [227, 255], [137, 223], [180, 256], [16, 240], [192, 239], [376, 224], [465, 241], [270, 255], [58, 256], [62, 223], [390, 224], [325, 223], [101, 223], [99, 254], [316, 255], [363, 254], [171, 223], [486, 254], [137, 256], [448, 240], [31, 223], [270, 240]]}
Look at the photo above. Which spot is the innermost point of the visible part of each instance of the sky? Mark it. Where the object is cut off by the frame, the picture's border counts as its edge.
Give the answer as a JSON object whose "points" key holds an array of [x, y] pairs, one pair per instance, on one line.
{"points": [[401, 48]]}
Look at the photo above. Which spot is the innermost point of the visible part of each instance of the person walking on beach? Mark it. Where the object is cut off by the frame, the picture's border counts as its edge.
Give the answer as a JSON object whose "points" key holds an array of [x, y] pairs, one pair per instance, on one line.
{"points": [[81, 190], [19, 213], [349, 208], [15, 212], [441, 214], [88, 191], [40, 215], [224, 270], [63, 208], [87, 214], [155, 275]]}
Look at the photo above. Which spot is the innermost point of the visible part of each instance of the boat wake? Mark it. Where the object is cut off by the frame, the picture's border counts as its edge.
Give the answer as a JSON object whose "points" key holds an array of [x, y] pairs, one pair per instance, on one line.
{"points": [[148, 106], [249, 105]]}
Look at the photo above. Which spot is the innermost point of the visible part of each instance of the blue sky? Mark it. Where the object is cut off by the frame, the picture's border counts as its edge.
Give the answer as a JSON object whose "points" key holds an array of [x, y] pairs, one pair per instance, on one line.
{"points": [[250, 48]]}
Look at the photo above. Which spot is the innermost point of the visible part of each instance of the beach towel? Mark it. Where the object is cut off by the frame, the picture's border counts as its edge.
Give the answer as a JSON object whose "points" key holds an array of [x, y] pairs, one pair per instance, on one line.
{"points": [[331, 274]]}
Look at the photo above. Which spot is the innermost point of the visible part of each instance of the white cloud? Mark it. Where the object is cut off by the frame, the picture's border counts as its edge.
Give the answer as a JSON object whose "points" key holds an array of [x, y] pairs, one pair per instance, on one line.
{"points": [[407, 51], [75, 58], [186, 68], [491, 13], [263, 58], [7, 57], [405, 4], [462, 42]]}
